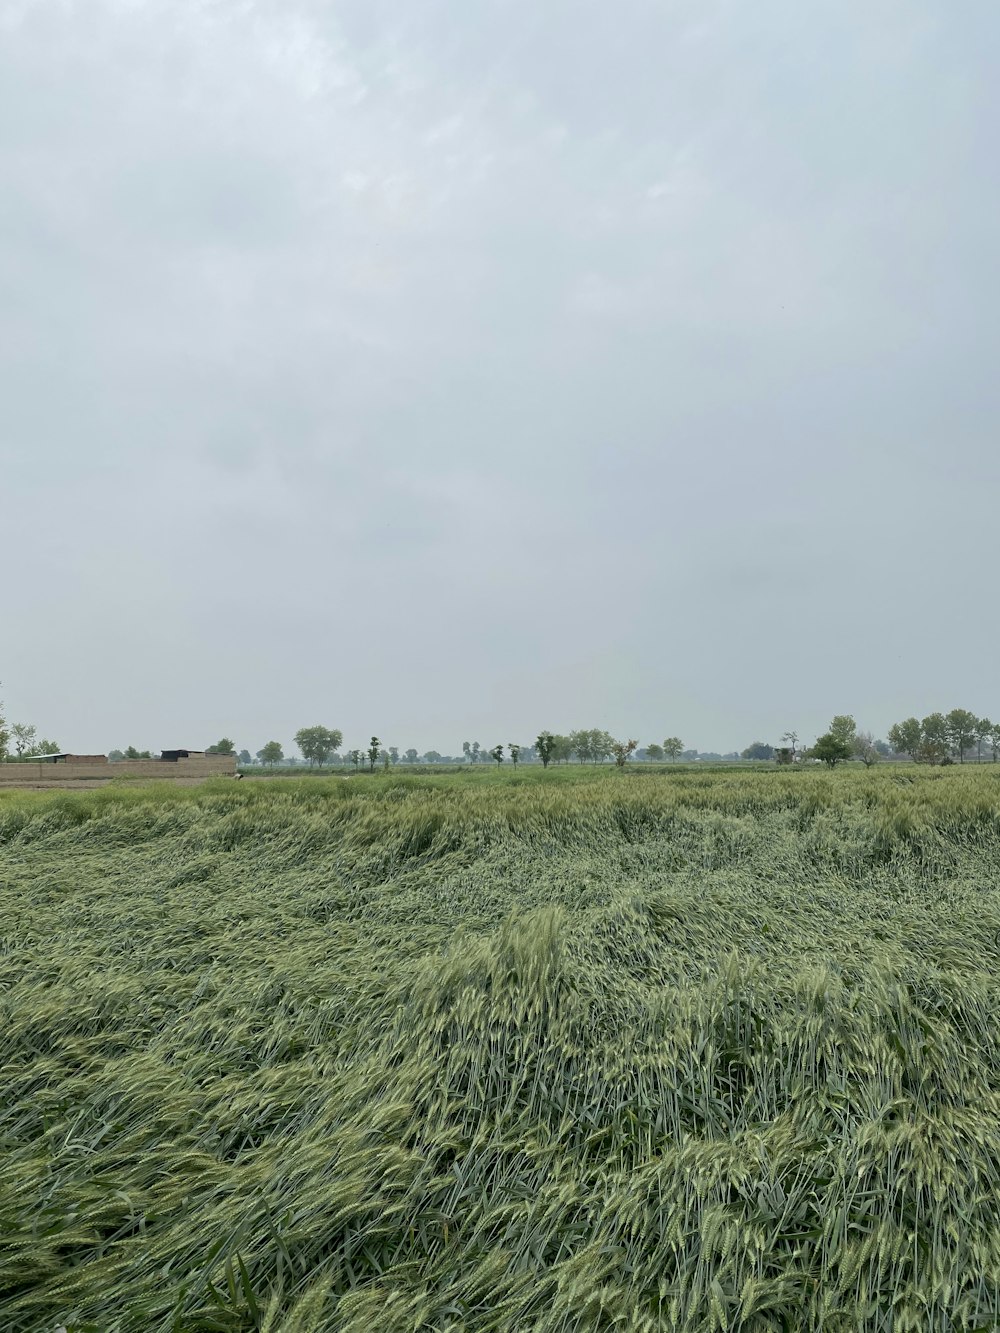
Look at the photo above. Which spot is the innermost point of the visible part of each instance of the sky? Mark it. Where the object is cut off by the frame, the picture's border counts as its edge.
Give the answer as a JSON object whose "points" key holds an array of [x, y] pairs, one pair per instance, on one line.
{"points": [[452, 371]]}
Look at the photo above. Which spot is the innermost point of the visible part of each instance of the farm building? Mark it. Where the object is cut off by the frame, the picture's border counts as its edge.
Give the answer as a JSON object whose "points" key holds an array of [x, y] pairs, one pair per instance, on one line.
{"points": [[62, 770], [70, 758]]}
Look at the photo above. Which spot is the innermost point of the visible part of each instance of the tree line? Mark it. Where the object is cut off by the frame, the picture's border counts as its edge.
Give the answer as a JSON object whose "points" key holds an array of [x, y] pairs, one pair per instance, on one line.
{"points": [[21, 740], [940, 738]]}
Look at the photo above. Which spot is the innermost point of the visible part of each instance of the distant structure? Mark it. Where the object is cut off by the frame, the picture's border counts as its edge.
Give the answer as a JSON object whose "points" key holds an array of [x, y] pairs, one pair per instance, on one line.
{"points": [[64, 770], [71, 758]]}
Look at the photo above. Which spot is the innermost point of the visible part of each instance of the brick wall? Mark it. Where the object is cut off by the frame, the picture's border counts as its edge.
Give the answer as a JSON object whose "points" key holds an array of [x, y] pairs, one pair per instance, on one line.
{"points": [[16, 775]]}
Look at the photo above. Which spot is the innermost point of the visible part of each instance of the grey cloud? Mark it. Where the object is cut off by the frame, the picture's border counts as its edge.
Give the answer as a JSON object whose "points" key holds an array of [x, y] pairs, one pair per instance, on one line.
{"points": [[450, 368]]}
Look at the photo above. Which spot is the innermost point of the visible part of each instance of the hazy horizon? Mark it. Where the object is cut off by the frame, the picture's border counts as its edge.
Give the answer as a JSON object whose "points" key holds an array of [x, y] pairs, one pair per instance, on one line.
{"points": [[453, 372]]}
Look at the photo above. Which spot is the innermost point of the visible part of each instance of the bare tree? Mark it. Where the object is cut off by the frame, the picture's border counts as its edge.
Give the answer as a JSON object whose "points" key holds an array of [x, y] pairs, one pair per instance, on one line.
{"points": [[866, 749]]}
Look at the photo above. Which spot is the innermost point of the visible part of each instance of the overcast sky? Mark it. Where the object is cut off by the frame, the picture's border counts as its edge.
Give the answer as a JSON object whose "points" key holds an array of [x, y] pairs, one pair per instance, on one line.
{"points": [[452, 370]]}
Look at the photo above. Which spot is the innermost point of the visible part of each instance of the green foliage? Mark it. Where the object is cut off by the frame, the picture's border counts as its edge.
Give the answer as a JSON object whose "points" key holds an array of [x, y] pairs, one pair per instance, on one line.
{"points": [[963, 728], [374, 750], [318, 744], [843, 728], [906, 737], [545, 746], [759, 750], [673, 747], [567, 1051], [622, 751], [411, 756], [496, 754], [130, 752], [515, 753], [23, 736], [225, 746], [591, 746], [832, 749], [654, 752], [271, 753]]}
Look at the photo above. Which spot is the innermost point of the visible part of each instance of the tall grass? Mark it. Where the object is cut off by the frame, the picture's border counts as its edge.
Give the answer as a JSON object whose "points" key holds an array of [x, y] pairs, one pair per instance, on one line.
{"points": [[589, 1052]]}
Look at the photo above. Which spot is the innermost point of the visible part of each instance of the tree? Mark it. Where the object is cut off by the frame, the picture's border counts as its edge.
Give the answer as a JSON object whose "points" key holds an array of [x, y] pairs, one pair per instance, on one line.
{"points": [[474, 752], [545, 745], [130, 753], [935, 739], [24, 737], [355, 757], [318, 743], [580, 742], [562, 749], [496, 754], [792, 737], [225, 746], [245, 758], [4, 734], [432, 757], [271, 753], [866, 748], [759, 750], [53, 747], [983, 728], [673, 747], [515, 753], [394, 753], [411, 756], [374, 746], [591, 745], [832, 749], [622, 750], [995, 740], [844, 728], [906, 737], [962, 727], [654, 752], [467, 751], [114, 756]]}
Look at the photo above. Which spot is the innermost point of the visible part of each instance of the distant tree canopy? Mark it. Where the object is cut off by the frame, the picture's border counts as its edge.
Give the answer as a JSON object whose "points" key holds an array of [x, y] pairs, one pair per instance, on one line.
{"points": [[131, 753], [318, 744], [938, 736], [225, 746], [245, 757], [411, 756], [654, 752], [591, 745], [759, 750], [832, 749], [545, 744], [271, 753], [622, 751], [673, 747], [24, 737]]}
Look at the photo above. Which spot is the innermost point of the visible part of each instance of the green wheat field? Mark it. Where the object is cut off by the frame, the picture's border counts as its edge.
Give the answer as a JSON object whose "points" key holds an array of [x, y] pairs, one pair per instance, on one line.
{"points": [[574, 1050]]}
